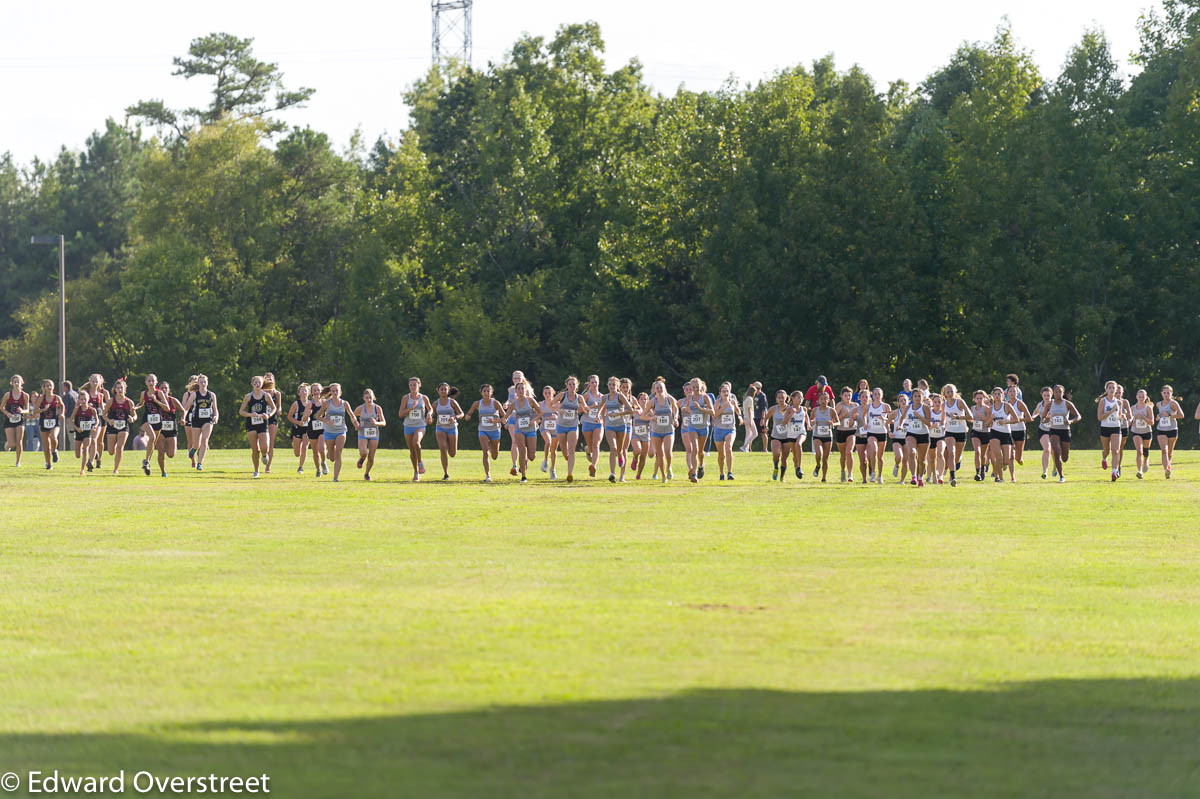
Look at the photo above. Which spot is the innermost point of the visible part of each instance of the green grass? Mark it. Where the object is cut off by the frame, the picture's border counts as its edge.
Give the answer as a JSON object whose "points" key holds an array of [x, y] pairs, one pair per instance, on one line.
{"points": [[746, 640]]}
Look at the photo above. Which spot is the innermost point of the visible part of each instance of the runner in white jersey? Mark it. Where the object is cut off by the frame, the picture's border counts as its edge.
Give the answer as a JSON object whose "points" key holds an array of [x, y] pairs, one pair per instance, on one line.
{"points": [[549, 427], [940, 461], [916, 443], [877, 429], [958, 419], [824, 419], [1017, 429], [897, 419], [1043, 429], [1108, 412], [800, 427], [1141, 428], [1001, 448], [862, 438], [1169, 414], [843, 434]]}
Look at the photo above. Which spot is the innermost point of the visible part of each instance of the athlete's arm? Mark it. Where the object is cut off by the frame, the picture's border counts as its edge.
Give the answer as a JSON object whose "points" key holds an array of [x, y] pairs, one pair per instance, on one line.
{"points": [[380, 418], [458, 412], [245, 401], [291, 414], [466, 416], [1072, 409], [428, 409]]}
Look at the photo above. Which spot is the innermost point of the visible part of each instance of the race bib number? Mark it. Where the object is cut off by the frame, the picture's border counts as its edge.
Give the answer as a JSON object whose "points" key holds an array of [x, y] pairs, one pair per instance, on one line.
{"points": [[568, 415], [727, 420], [487, 421], [257, 418], [593, 414], [797, 428], [48, 424], [153, 418], [614, 419], [662, 420], [416, 416], [877, 424], [445, 419], [316, 424], [86, 424], [524, 422], [641, 430], [204, 413], [168, 426], [936, 430], [781, 428], [370, 432], [117, 424], [697, 420], [14, 418], [823, 430], [1113, 419], [1058, 420], [1165, 421]]}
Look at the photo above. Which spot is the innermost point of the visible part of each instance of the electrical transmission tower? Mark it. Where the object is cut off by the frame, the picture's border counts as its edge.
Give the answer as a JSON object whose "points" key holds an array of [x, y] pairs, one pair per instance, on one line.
{"points": [[452, 31]]}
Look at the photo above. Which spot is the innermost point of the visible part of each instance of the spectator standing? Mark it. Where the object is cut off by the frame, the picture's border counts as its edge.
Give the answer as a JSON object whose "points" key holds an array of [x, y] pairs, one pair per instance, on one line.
{"points": [[760, 413], [816, 389], [749, 415], [1013, 381], [70, 398]]}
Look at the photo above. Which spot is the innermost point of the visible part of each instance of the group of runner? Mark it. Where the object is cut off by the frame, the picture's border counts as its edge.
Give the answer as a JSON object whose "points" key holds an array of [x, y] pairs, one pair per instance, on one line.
{"points": [[926, 431]]}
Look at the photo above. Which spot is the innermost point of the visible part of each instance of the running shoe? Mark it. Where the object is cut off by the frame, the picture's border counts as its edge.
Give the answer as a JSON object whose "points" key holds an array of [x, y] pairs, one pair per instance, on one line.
{"points": [[361, 461], [700, 473], [1139, 475], [487, 479], [1043, 475], [895, 471], [941, 481], [54, 455], [146, 467], [612, 478], [545, 465], [692, 476], [570, 478], [730, 475], [1114, 475], [420, 467], [774, 473], [721, 477], [670, 474], [523, 480], [799, 473], [199, 467], [843, 476], [445, 477], [300, 470], [953, 482], [254, 476], [817, 471], [48, 467], [591, 470], [1062, 479], [366, 477], [513, 471], [89, 466], [553, 475], [324, 468], [1167, 472], [164, 474], [620, 462], [920, 482]]}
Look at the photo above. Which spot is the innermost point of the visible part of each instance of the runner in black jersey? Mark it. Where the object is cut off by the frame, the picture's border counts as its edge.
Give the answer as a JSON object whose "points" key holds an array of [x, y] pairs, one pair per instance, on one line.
{"points": [[257, 407]]}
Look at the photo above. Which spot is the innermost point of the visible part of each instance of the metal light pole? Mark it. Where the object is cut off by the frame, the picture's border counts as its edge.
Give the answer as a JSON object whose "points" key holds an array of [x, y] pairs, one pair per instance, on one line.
{"points": [[62, 316]]}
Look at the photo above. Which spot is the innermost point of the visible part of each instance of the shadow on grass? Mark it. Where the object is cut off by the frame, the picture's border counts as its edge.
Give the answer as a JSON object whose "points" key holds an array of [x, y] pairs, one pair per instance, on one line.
{"points": [[1086, 738]]}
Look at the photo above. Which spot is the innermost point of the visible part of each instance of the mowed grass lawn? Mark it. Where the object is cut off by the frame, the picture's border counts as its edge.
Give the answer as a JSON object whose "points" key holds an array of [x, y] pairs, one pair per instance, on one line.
{"points": [[751, 639]]}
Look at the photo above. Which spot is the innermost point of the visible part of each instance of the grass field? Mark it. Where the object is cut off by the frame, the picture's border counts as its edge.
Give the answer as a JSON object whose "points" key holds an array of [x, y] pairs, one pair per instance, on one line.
{"points": [[745, 640]]}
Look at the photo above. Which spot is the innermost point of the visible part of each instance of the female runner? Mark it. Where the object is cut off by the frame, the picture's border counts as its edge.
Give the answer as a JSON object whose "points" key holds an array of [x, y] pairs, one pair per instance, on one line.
{"points": [[315, 425], [641, 434], [862, 439], [371, 418], [16, 408], [168, 434], [510, 421], [1109, 411], [1169, 414], [846, 411], [50, 419], [1061, 413], [272, 420], [191, 432], [1043, 432], [695, 412], [295, 417], [800, 427], [257, 407], [99, 397], [549, 431], [1126, 418], [626, 388], [448, 413], [1142, 428], [618, 409], [824, 418], [981, 437], [941, 451], [525, 412], [727, 417], [205, 414], [1001, 446], [334, 413], [416, 411], [569, 405], [779, 417], [85, 421], [916, 443], [593, 424], [489, 427], [662, 411], [1017, 430], [877, 430], [524, 439], [898, 421], [957, 423], [703, 435], [151, 401], [121, 415]]}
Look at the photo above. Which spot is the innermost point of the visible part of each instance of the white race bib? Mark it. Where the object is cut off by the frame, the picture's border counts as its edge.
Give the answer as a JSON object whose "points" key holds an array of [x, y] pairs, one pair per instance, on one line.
{"points": [[1164, 422], [568, 415], [316, 424], [153, 418], [14, 418], [662, 420], [980, 426], [257, 418], [168, 426], [48, 424], [524, 422], [697, 420], [727, 420], [416, 416], [370, 432], [204, 413], [487, 421], [781, 428], [823, 430], [877, 424], [86, 424], [117, 424], [594, 414], [641, 429], [1058, 420], [445, 419], [935, 430], [1113, 419]]}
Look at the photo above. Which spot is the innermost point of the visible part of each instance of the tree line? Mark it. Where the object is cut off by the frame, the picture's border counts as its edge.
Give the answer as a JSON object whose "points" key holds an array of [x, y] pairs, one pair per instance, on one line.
{"points": [[550, 214]]}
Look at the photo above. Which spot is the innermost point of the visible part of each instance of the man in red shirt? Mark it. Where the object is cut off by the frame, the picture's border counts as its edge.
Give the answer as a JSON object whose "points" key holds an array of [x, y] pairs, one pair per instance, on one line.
{"points": [[814, 391]]}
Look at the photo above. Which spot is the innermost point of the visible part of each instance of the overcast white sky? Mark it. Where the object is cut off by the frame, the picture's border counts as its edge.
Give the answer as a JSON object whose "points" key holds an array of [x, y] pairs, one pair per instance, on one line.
{"points": [[66, 66]]}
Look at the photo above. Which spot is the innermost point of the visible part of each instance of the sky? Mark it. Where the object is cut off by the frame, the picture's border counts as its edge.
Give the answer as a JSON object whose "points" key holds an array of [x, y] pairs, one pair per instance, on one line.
{"points": [[67, 66]]}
